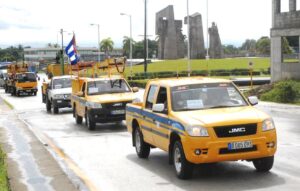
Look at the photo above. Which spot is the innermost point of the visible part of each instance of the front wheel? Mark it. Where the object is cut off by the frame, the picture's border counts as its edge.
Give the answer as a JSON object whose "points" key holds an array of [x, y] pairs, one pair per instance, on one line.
{"points": [[263, 164], [183, 168], [55, 109], [141, 147], [89, 122], [78, 118], [48, 105]]}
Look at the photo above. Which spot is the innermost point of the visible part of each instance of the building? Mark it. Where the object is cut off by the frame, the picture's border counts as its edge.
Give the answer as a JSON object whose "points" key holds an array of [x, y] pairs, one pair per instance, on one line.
{"points": [[43, 56], [284, 24]]}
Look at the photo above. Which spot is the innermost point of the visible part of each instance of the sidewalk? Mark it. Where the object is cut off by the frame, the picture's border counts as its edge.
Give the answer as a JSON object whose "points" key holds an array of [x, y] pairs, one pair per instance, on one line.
{"points": [[30, 165]]}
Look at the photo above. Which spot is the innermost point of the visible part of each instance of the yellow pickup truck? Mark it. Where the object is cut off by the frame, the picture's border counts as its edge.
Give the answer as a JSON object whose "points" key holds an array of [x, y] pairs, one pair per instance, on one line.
{"points": [[24, 83], [201, 120], [100, 100]]}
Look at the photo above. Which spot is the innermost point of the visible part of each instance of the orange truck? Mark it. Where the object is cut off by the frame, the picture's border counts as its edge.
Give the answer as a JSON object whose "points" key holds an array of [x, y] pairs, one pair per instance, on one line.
{"points": [[201, 120]]}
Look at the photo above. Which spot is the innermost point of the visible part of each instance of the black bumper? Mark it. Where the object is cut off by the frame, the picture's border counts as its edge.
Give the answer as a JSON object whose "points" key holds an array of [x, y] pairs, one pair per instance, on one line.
{"points": [[27, 91], [105, 116], [60, 103]]}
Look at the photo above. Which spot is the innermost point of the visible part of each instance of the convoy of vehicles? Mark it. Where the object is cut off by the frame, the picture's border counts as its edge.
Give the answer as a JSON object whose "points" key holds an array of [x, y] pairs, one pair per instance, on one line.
{"points": [[201, 120], [102, 99], [196, 120]]}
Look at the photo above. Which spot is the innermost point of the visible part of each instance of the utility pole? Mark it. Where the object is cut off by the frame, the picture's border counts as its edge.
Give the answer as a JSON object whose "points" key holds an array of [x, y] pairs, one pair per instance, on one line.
{"points": [[62, 52], [188, 41], [145, 40]]}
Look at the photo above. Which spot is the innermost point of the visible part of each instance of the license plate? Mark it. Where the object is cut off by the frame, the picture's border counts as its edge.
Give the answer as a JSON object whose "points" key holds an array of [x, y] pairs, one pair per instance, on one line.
{"points": [[28, 90], [240, 145], [118, 112]]}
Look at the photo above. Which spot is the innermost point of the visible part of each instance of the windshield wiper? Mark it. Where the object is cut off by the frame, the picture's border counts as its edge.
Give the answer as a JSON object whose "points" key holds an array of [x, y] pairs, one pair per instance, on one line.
{"points": [[223, 106]]}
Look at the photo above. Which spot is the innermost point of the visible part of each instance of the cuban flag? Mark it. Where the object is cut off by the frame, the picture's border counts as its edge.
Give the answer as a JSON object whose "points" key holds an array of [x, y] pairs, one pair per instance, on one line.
{"points": [[71, 51]]}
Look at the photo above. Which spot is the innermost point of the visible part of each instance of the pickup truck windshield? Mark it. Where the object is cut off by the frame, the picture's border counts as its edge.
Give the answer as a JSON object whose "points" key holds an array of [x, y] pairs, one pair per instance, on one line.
{"points": [[61, 83], [26, 77], [206, 96], [107, 86]]}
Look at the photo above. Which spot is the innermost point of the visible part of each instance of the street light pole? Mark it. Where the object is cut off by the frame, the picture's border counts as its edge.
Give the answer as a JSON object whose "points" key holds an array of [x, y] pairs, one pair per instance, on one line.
{"points": [[188, 41], [145, 38], [130, 49], [98, 27], [207, 45], [62, 52]]}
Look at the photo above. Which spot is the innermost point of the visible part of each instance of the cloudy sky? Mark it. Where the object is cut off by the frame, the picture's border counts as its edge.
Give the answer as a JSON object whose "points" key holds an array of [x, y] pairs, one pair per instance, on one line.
{"points": [[37, 22]]}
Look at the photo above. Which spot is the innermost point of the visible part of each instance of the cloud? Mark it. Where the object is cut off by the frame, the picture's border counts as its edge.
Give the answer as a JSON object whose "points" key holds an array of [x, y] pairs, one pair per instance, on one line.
{"points": [[3, 25]]}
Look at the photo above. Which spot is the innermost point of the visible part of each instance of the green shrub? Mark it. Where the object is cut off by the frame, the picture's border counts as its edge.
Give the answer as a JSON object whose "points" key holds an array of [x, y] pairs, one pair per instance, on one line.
{"points": [[3, 173], [283, 92]]}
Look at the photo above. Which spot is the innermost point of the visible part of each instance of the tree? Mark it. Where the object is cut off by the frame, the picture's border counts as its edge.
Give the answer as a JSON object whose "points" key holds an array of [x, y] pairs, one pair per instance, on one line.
{"points": [[230, 49], [249, 45], [286, 49], [106, 45], [126, 45], [263, 45]]}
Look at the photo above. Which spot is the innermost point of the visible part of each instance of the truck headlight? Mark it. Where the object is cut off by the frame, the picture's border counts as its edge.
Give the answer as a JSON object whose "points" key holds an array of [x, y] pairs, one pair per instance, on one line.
{"points": [[58, 96], [197, 131], [93, 105], [268, 124]]}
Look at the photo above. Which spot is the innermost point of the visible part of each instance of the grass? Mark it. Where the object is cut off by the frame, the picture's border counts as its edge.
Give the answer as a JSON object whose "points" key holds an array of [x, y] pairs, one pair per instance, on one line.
{"points": [[212, 64], [3, 173]]}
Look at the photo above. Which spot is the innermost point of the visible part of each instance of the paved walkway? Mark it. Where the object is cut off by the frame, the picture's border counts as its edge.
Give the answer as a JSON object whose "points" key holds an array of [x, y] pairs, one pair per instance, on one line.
{"points": [[30, 165]]}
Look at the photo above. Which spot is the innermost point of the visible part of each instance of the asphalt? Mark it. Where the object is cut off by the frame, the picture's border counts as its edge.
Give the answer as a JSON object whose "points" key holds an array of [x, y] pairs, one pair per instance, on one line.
{"points": [[30, 165]]}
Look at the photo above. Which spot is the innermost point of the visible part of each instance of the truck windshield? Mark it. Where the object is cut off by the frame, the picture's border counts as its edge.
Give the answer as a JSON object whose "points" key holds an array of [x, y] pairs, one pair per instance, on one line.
{"points": [[61, 83], [206, 96], [26, 77], [107, 86]]}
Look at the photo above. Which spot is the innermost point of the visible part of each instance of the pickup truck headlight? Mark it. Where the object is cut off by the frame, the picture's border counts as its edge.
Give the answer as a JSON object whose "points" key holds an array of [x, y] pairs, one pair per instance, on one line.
{"points": [[197, 131], [58, 96], [268, 124], [93, 105]]}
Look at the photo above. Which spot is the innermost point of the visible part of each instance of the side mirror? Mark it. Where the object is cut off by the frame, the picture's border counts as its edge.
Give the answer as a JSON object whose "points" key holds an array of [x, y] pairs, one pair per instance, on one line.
{"points": [[135, 89], [79, 94], [253, 100], [160, 107]]}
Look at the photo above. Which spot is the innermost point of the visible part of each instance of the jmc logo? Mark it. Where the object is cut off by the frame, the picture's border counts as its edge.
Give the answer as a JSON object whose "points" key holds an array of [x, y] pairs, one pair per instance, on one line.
{"points": [[238, 130]]}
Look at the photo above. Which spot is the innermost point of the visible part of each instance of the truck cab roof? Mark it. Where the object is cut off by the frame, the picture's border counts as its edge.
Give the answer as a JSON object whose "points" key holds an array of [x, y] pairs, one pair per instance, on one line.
{"points": [[171, 82]]}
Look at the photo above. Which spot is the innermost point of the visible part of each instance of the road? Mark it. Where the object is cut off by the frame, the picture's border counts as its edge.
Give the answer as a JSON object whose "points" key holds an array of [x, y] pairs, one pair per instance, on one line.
{"points": [[104, 159]]}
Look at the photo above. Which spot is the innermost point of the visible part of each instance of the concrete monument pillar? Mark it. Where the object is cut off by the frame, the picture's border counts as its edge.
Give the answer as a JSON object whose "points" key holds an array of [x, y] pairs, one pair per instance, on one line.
{"points": [[215, 45], [292, 5], [169, 32], [275, 10], [196, 36]]}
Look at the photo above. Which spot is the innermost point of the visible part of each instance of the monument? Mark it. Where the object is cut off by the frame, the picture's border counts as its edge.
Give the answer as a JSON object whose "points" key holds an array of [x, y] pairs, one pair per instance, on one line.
{"points": [[215, 45], [197, 49], [284, 24], [171, 41]]}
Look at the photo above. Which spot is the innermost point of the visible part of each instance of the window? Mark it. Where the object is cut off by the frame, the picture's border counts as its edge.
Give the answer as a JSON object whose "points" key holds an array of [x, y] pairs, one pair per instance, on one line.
{"points": [[284, 6], [162, 97], [150, 97], [298, 5], [206, 96], [290, 49]]}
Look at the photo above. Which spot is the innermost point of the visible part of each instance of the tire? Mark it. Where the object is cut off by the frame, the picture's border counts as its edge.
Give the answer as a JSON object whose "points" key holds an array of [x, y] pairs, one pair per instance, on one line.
{"points": [[17, 94], [183, 168], [263, 164], [34, 93], [89, 122], [78, 118], [141, 147], [48, 105], [55, 109]]}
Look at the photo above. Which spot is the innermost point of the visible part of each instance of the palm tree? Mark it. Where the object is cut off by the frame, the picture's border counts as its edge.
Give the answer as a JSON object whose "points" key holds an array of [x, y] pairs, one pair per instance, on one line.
{"points": [[126, 45], [106, 45]]}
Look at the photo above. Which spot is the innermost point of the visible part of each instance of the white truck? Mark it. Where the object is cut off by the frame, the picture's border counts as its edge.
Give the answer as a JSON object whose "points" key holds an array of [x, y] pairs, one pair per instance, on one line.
{"points": [[56, 93]]}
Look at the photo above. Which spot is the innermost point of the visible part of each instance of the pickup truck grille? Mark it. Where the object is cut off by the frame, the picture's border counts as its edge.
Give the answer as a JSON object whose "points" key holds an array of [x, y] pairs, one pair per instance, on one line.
{"points": [[236, 130], [114, 106]]}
